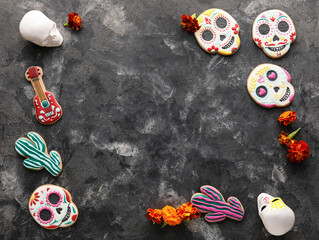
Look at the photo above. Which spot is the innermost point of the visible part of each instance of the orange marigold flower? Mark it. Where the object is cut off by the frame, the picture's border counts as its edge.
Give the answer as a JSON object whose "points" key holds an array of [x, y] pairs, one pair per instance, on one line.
{"points": [[155, 215], [74, 21], [170, 216], [189, 23], [187, 212], [285, 140], [298, 151], [287, 117]]}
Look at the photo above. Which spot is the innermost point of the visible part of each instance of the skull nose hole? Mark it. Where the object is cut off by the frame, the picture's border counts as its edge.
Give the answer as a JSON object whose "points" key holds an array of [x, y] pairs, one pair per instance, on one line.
{"points": [[222, 37], [276, 89], [58, 210], [275, 38]]}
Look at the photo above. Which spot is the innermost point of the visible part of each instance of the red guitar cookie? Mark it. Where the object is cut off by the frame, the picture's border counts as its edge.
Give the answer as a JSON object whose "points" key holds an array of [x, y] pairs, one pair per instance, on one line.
{"points": [[48, 110]]}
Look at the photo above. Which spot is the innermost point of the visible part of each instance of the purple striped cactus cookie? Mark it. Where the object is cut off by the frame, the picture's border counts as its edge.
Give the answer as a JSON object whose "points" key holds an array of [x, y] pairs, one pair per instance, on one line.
{"points": [[212, 202]]}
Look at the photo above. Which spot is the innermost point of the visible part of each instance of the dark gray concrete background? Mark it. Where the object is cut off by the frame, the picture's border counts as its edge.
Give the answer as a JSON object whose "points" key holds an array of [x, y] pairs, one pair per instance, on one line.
{"points": [[149, 117]]}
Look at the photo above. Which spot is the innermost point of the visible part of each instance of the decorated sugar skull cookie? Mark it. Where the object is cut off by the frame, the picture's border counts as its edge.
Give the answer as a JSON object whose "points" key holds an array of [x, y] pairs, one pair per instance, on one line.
{"points": [[277, 217], [52, 207], [218, 32], [274, 31], [269, 86]]}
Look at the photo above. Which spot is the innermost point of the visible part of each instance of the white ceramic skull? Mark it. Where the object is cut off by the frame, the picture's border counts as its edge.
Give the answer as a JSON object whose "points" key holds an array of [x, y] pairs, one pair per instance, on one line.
{"points": [[218, 32], [277, 217], [274, 32], [52, 207], [269, 86], [39, 29]]}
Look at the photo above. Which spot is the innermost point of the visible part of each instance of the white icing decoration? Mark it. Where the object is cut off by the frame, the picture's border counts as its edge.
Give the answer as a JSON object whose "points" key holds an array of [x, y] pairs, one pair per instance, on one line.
{"points": [[225, 40], [280, 92], [60, 210], [275, 43]]}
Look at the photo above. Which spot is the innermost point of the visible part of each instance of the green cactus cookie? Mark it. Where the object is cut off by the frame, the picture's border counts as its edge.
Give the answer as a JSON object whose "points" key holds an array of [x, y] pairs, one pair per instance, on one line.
{"points": [[37, 157]]}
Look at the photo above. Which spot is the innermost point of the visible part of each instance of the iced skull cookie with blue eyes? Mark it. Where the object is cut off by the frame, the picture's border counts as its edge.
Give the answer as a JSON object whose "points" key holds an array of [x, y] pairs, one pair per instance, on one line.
{"points": [[269, 86], [218, 32], [274, 32]]}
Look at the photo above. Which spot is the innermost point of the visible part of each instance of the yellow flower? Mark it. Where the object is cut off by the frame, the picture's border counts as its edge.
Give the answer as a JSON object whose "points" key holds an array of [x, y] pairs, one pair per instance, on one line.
{"points": [[170, 216]]}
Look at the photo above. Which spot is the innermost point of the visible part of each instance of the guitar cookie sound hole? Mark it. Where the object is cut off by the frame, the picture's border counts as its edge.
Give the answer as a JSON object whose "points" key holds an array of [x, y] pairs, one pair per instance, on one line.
{"points": [[45, 104]]}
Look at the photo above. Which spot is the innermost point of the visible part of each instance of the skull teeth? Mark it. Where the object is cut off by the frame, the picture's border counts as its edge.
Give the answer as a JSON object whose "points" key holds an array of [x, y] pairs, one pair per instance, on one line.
{"points": [[67, 215], [229, 43], [285, 97], [276, 49]]}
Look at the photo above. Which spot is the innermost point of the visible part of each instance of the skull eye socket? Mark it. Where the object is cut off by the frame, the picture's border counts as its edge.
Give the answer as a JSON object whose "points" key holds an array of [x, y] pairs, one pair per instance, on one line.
{"points": [[261, 91], [283, 26], [207, 35], [221, 22], [264, 29], [45, 215], [263, 208], [272, 75], [54, 199]]}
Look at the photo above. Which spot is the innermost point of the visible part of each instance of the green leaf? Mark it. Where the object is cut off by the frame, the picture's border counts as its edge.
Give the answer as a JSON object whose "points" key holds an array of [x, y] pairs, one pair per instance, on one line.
{"points": [[66, 24], [293, 134], [164, 224], [194, 15]]}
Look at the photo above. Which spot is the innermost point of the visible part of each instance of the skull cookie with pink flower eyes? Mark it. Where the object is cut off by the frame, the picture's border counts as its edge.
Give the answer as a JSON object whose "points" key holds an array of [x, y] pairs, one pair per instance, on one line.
{"points": [[274, 32], [52, 207], [218, 32], [269, 86]]}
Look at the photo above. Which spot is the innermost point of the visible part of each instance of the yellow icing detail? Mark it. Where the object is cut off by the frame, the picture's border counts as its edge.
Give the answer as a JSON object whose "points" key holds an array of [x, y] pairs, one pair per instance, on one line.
{"points": [[32, 197], [207, 13], [237, 40], [252, 84], [282, 38], [270, 85], [262, 71], [269, 39], [283, 85], [277, 97], [278, 204]]}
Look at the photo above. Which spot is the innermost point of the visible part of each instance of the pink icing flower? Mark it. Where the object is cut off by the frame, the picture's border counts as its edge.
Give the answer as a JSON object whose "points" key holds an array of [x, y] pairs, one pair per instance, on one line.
{"points": [[58, 203], [261, 79], [47, 209]]}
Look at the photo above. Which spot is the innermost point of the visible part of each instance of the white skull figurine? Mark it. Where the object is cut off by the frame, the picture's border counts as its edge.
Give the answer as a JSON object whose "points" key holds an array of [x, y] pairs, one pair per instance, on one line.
{"points": [[277, 217], [274, 32], [269, 86], [39, 29], [52, 207], [218, 32]]}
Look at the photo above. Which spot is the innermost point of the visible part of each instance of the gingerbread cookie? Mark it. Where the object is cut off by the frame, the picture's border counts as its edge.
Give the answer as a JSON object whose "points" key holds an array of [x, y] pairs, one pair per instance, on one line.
{"points": [[34, 149], [212, 202], [277, 217], [52, 207], [218, 32], [274, 32], [48, 110], [269, 86]]}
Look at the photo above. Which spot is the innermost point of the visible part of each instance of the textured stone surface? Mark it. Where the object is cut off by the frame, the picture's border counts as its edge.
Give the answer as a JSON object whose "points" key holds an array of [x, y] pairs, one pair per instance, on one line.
{"points": [[149, 117]]}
